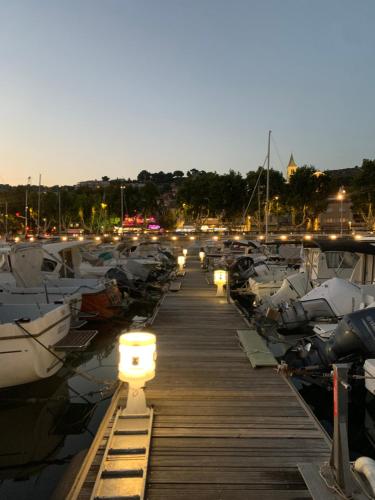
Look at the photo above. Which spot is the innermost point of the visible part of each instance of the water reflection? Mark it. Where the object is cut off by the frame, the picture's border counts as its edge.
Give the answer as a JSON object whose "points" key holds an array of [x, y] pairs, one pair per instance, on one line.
{"points": [[34, 427], [46, 423]]}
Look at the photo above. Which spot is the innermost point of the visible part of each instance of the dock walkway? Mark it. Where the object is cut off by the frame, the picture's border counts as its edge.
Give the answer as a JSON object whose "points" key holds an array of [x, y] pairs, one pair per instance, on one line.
{"points": [[222, 430]]}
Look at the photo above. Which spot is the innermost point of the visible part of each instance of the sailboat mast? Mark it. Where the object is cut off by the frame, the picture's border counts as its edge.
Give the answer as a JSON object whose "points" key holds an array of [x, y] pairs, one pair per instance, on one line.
{"points": [[268, 184], [38, 223]]}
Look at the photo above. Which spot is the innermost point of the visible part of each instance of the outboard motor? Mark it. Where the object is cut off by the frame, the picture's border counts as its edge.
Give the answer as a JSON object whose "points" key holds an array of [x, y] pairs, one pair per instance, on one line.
{"points": [[132, 287], [354, 335], [241, 270]]}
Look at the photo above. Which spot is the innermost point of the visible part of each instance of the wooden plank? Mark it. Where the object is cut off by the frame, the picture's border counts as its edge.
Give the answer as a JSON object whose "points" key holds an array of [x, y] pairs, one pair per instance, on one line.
{"points": [[186, 492]]}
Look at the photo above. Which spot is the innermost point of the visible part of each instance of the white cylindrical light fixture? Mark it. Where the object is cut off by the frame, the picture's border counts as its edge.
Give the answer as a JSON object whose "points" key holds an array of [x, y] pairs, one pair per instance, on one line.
{"points": [[184, 252], [202, 256], [181, 262], [220, 279], [137, 366]]}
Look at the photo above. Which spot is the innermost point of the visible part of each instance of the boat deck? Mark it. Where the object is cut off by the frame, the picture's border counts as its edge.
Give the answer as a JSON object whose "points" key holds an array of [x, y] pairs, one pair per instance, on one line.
{"points": [[222, 430]]}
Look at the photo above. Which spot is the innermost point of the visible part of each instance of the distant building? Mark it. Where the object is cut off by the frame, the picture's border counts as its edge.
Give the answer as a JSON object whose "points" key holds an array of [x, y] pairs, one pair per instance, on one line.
{"points": [[337, 215], [92, 184], [291, 168], [344, 175]]}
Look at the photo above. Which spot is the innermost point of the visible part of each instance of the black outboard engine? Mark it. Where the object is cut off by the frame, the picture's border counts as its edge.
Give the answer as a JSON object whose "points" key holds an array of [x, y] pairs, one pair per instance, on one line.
{"points": [[241, 270], [132, 287], [354, 336]]}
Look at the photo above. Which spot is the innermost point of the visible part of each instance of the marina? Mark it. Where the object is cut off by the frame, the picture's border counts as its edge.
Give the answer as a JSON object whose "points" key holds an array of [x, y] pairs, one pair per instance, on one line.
{"points": [[187, 250], [223, 414]]}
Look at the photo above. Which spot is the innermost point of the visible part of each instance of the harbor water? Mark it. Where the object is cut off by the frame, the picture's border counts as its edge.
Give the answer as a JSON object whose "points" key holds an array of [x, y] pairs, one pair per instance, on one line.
{"points": [[44, 425]]}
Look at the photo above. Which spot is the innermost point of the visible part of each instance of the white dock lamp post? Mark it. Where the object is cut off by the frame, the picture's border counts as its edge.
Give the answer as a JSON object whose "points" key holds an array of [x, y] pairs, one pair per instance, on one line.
{"points": [[220, 279], [137, 366], [184, 252], [181, 262], [202, 256]]}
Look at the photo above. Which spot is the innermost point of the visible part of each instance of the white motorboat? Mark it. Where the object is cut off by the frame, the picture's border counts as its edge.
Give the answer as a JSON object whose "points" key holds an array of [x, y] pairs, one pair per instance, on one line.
{"points": [[28, 334], [268, 282], [138, 263], [100, 298], [327, 260]]}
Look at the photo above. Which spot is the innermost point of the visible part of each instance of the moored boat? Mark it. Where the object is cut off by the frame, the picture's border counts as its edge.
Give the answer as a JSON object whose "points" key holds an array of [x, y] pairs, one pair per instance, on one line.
{"points": [[28, 334], [103, 304]]}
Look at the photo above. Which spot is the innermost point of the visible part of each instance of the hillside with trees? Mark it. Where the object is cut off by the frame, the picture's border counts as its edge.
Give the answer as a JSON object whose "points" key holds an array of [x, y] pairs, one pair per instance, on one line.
{"points": [[193, 198]]}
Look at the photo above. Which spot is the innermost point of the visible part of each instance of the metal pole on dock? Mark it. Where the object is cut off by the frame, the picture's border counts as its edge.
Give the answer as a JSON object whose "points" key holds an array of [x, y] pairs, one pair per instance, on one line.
{"points": [[340, 459]]}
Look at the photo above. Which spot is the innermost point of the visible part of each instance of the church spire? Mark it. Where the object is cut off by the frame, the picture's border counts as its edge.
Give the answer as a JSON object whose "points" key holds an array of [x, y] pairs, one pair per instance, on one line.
{"points": [[292, 167], [292, 163]]}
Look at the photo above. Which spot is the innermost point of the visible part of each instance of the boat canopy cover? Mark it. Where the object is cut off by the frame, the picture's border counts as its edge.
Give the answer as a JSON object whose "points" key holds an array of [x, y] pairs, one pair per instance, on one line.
{"points": [[242, 243], [354, 246], [56, 247]]}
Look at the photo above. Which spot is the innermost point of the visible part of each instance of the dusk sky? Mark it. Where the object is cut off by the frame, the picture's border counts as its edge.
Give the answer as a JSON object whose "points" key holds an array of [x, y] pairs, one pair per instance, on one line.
{"points": [[111, 87]]}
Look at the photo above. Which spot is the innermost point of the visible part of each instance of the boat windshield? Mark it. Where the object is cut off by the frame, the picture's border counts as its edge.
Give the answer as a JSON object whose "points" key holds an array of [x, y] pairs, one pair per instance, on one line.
{"points": [[318, 309]]}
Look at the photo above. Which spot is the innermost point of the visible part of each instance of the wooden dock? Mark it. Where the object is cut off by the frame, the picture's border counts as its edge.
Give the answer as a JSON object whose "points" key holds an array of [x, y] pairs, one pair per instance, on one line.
{"points": [[222, 430]]}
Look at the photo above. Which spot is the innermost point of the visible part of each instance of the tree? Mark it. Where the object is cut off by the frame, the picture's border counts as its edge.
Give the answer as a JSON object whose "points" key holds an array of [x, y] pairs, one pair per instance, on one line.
{"points": [[229, 194], [258, 199], [144, 176], [149, 197], [362, 193], [178, 174], [307, 195], [208, 194]]}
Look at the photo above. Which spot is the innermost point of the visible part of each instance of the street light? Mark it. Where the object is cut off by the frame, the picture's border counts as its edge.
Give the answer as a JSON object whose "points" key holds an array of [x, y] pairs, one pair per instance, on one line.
{"points": [[340, 197], [277, 211], [26, 204], [122, 207]]}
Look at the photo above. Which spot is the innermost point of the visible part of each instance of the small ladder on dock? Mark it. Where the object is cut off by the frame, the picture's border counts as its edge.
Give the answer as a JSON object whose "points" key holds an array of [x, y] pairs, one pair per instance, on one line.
{"points": [[123, 470]]}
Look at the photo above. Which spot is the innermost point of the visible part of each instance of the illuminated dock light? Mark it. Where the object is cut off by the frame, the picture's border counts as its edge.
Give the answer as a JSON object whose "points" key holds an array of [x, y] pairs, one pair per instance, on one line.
{"points": [[220, 279], [137, 366], [181, 262]]}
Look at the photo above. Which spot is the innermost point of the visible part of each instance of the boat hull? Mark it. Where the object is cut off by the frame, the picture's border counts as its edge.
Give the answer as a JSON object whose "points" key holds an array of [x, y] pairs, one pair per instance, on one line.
{"points": [[103, 304], [23, 357]]}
